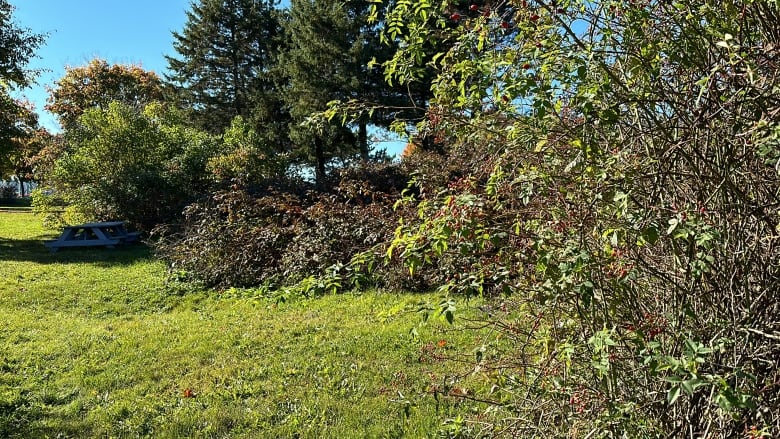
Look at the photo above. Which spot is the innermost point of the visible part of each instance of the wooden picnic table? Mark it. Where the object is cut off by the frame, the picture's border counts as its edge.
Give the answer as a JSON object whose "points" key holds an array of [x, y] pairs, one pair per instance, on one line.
{"points": [[107, 234]]}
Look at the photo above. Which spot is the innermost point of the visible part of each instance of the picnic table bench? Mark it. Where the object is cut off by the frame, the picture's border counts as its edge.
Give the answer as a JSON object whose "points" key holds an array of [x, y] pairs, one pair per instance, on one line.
{"points": [[107, 234]]}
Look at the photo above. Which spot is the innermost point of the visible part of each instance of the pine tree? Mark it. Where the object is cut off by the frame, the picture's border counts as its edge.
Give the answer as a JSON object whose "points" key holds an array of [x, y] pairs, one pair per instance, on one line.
{"points": [[329, 49], [226, 52]]}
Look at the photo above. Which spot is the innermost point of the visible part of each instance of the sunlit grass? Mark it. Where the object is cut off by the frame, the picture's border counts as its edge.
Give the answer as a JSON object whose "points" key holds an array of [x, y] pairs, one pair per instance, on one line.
{"points": [[95, 343]]}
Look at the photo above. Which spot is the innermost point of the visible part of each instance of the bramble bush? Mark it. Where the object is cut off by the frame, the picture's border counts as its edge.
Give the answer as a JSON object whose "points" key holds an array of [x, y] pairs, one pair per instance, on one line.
{"points": [[606, 174], [621, 207]]}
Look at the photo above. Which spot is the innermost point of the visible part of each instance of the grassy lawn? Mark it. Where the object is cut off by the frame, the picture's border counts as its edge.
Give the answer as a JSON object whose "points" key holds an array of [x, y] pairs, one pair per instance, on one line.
{"points": [[95, 343]]}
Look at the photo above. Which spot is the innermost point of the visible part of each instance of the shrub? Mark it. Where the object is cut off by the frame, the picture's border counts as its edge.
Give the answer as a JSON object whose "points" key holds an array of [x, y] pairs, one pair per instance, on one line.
{"points": [[7, 192], [138, 166], [625, 209], [242, 237]]}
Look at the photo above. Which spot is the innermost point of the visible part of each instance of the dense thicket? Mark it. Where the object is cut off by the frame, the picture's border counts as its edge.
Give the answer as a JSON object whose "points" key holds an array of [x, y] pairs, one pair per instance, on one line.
{"points": [[625, 207], [286, 231]]}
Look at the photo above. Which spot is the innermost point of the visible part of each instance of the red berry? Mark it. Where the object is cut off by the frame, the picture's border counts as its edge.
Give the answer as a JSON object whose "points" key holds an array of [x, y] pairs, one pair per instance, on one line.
{"points": [[505, 25], [526, 66], [455, 16], [473, 7], [534, 17]]}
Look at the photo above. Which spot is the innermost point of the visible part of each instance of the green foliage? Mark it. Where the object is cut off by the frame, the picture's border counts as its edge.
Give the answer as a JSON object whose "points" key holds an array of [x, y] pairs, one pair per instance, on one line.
{"points": [[123, 164], [16, 119], [620, 204], [50, 207], [245, 158], [226, 52], [310, 86], [18, 123], [19, 46]]}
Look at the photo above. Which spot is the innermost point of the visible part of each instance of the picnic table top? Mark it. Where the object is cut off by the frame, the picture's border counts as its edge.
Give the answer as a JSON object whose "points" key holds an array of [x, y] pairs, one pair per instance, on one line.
{"points": [[96, 225], [109, 234]]}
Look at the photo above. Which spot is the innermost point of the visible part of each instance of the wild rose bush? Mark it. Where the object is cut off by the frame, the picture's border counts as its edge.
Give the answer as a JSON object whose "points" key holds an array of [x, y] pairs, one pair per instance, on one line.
{"points": [[625, 207]]}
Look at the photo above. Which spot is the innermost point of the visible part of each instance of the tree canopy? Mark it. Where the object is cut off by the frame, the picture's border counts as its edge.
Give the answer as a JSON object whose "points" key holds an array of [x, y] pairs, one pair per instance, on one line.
{"points": [[225, 54], [17, 46], [99, 83]]}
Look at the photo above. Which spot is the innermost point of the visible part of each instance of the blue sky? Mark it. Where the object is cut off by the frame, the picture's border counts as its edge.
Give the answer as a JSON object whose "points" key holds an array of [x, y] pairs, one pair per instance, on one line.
{"points": [[119, 31]]}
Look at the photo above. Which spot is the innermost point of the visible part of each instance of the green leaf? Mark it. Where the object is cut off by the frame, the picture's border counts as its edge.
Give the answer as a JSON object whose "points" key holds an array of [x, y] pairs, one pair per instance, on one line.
{"points": [[690, 385], [673, 394], [609, 115]]}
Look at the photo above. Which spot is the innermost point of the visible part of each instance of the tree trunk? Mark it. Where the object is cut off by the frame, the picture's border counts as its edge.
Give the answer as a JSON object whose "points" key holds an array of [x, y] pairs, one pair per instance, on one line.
{"points": [[319, 157], [363, 138]]}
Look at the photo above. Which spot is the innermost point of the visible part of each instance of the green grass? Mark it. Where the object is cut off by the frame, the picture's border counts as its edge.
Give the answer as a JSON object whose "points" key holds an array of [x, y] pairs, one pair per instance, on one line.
{"points": [[96, 343]]}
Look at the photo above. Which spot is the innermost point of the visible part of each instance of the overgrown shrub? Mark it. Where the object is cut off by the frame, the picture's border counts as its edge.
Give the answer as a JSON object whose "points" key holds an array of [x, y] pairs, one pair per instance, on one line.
{"points": [[122, 164], [626, 209], [243, 238]]}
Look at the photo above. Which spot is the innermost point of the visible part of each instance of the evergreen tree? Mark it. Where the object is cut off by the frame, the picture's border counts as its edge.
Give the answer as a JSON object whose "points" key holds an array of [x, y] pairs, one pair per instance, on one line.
{"points": [[226, 52], [327, 58]]}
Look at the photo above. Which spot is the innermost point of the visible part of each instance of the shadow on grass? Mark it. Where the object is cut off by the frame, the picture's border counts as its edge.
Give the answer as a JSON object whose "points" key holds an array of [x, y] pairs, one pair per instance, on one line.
{"points": [[33, 250], [32, 415]]}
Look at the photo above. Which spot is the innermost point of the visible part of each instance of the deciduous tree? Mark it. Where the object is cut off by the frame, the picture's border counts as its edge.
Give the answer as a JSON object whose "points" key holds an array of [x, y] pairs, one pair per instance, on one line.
{"points": [[17, 46], [99, 83], [19, 149]]}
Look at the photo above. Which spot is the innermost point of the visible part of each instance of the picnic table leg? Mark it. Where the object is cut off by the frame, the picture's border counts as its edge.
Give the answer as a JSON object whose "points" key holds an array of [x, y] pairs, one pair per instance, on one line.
{"points": [[103, 235], [100, 233], [67, 235]]}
